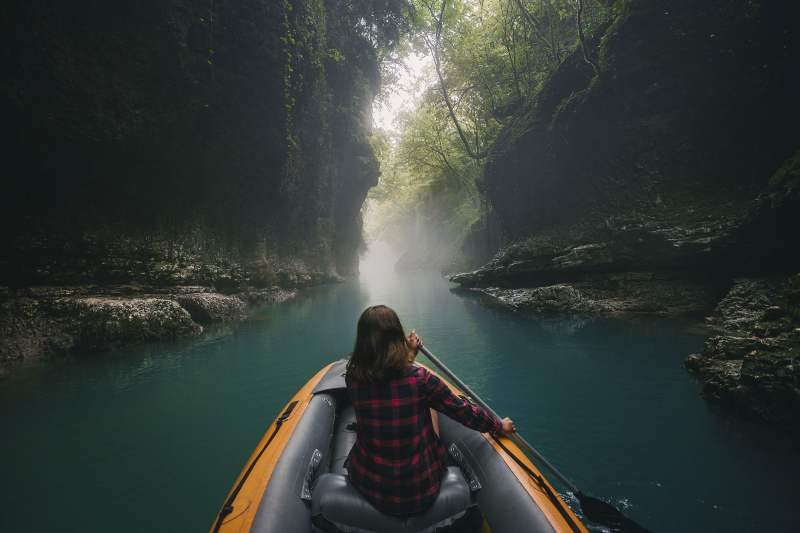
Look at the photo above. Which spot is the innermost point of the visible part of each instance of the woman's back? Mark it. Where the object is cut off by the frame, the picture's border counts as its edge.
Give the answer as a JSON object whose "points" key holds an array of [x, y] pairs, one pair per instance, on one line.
{"points": [[398, 461]]}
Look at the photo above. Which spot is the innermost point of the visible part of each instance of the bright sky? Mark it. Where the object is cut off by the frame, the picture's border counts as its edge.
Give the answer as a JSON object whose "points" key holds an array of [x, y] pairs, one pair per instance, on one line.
{"points": [[403, 98]]}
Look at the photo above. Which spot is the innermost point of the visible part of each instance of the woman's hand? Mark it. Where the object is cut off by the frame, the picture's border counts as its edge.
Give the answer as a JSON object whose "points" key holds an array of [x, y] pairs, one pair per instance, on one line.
{"points": [[508, 427], [414, 342]]}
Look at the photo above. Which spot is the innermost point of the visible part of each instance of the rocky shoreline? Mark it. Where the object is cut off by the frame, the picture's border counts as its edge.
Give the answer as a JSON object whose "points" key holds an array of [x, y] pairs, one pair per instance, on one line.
{"points": [[729, 263], [35, 327], [671, 297], [755, 367], [65, 289], [130, 212], [752, 366]]}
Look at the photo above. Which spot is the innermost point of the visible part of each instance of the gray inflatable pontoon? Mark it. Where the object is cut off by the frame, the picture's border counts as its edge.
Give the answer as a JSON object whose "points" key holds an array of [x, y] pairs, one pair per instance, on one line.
{"points": [[295, 480]]}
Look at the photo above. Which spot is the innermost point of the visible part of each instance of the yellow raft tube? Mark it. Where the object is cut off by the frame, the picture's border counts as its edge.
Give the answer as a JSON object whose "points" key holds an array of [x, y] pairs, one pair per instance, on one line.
{"points": [[295, 480]]}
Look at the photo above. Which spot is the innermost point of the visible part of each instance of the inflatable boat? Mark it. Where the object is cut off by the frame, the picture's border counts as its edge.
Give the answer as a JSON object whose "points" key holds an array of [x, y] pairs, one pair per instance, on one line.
{"points": [[295, 480]]}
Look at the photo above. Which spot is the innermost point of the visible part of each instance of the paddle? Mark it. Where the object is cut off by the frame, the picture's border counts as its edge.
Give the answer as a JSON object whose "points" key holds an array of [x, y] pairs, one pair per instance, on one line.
{"points": [[595, 510]]}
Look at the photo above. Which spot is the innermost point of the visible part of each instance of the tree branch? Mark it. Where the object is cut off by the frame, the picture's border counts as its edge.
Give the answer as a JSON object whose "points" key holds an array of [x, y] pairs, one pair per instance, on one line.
{"points": [[595, 65]]}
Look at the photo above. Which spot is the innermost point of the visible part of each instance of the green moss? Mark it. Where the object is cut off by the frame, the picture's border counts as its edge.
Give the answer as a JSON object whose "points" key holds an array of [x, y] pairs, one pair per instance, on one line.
{"points": [[621, 10], [776, 366], [575, 99]]}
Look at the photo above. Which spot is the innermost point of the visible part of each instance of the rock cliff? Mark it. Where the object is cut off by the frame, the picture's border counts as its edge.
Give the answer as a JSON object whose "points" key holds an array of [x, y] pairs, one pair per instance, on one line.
{"points": [[659, 178], [652, 187], [176, 147]]}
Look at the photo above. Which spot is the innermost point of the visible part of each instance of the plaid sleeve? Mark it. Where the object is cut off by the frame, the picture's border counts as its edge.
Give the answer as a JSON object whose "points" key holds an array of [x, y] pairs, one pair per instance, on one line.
{"points": [[443, 400]]}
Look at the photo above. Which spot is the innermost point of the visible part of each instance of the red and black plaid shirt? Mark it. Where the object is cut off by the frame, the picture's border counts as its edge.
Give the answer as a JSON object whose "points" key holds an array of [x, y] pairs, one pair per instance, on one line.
{"points": [[398, 461]]}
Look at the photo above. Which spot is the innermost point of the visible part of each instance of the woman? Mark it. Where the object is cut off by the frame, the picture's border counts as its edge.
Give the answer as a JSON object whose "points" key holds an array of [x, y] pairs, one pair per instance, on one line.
{"points": [[398, 461]]}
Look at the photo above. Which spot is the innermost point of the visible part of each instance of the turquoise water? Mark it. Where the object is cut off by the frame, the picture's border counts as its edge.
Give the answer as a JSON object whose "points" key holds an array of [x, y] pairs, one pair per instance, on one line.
{"points": [[151, 438]]}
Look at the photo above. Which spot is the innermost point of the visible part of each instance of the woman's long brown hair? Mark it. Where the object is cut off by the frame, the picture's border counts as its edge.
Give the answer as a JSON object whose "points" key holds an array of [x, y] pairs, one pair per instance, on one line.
{"points": [[380, 350]]}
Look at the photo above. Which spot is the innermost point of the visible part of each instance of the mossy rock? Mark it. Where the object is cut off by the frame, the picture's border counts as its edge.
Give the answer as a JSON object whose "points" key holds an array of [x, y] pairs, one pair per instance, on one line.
{"points": [[114, 323], [212, 307]]}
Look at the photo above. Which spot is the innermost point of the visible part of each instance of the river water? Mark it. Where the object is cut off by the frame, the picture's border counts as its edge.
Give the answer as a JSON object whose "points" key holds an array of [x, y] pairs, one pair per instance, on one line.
{"points": [[151, 438]]}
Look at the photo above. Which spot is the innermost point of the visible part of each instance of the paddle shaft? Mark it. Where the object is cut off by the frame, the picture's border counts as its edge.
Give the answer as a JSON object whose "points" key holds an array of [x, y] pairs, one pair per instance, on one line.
{"points": [[463, 386]]}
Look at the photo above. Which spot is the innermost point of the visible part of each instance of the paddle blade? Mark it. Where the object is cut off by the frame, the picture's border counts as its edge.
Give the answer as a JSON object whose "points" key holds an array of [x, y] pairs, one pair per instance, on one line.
{"points": [[600, 512]]}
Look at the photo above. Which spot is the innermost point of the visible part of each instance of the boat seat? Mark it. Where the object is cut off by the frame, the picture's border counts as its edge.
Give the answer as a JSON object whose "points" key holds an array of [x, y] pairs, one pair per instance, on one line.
{"points": [[337, 506], [343, 439]]}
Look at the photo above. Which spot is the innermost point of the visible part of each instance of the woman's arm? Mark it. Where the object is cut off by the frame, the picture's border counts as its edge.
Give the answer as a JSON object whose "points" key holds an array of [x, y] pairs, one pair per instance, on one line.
{"points": [[443, 400]]}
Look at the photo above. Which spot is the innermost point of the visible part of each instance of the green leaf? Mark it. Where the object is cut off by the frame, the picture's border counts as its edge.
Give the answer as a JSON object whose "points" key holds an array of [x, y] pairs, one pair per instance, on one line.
{"points": [[212, 51], [202, 19], [209, 61]]}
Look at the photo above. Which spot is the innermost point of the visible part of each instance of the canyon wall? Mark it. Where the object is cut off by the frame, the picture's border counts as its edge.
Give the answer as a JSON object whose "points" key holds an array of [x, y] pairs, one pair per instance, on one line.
{"points": [[669, 183], [658, 172], [180, 147]]}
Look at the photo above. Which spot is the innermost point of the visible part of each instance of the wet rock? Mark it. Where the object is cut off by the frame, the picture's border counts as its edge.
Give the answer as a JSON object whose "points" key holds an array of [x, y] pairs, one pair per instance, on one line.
{"points": [[693, 363], [728, 348], [630, 248], [190, 289], [583, 256], [262, 274], [639, 293], [466, 279], [113, 323], [212, 307], [630, 294], [30, 328], [745, 303], [557, 299], [758, 375], [273, 294]]}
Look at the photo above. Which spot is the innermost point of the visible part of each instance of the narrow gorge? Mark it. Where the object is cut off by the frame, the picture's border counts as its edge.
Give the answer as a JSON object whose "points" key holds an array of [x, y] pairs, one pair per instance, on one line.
{"points": [[587, 210], [166, 163]]}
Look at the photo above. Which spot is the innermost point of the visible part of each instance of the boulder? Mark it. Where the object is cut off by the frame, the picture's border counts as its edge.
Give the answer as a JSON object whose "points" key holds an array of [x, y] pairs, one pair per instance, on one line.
{"points": [[556, 299], [113, 323], [212, 307], [745, 303], [758, 375], [273, 294]]}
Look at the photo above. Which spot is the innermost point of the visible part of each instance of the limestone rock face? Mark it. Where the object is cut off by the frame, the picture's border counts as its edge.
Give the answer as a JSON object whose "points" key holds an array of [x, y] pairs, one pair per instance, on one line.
{"points": [[183, 143], [274, 294], [655, 146], [35, 327], [182, 147], [640, 189], [211, 307], [745, 303], [31, 327], [112, 323], [557, 299], [671, 297], [643, 173]]}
